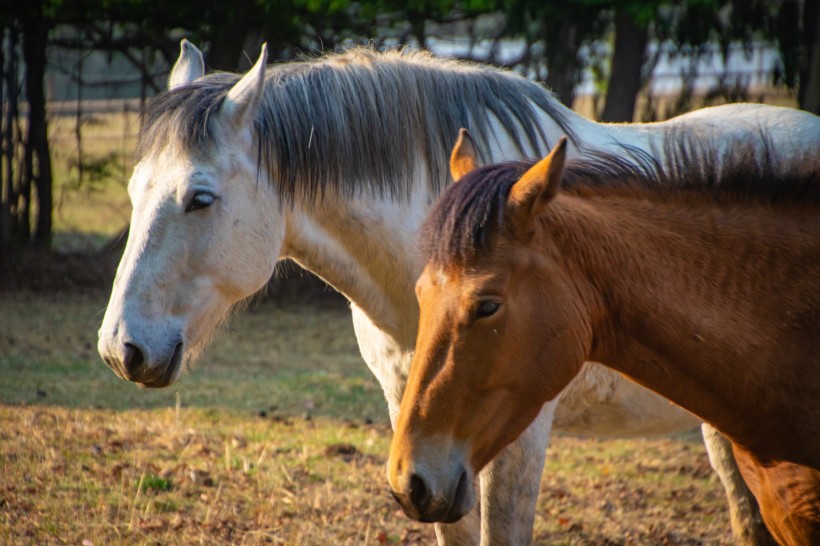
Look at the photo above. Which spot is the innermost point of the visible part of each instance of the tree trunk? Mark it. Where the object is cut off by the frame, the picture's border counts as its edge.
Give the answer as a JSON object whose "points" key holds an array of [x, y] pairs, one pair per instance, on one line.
{"points": [[227, 42], [8, 86], [35, 38], [625, 75], [563, 67], [809, 94]]}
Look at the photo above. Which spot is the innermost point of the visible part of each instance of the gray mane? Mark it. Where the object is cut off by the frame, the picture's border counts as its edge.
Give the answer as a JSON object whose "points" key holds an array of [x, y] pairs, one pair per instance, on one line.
{"points": [[360, 120]]}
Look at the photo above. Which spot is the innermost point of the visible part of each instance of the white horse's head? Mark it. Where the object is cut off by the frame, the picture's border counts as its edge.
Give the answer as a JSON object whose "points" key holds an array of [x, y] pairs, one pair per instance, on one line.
{"points": [[206, 230]]}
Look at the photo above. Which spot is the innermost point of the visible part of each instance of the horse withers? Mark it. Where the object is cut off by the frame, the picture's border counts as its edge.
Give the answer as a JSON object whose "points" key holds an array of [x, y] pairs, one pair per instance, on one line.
{"points": [[707, 293]]}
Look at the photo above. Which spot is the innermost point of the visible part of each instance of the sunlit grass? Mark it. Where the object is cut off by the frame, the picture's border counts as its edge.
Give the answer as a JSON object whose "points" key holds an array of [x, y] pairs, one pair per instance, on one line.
{"points": [[280, 437], [91, 203], [294, 358]]}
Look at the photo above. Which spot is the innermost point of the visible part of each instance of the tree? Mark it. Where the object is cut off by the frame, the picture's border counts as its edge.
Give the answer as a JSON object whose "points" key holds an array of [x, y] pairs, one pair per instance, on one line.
{"points": [[230, 33], [628, 58], [26, 189]]}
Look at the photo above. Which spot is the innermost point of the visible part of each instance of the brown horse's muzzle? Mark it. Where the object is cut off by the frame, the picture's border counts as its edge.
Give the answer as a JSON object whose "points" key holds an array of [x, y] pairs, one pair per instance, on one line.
{"points": [[420, 503], [430, 478]]}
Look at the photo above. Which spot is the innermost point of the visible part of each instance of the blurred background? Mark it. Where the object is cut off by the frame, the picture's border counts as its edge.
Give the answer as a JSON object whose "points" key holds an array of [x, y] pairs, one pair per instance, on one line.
{"points": [[280, 434], [76, 73]]}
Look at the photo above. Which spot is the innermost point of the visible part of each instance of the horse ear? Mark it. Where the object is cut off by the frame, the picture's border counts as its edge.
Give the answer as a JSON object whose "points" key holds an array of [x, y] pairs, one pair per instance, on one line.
{"points": [[540, 183], [242, 102], [189, 65], [462, 160]]}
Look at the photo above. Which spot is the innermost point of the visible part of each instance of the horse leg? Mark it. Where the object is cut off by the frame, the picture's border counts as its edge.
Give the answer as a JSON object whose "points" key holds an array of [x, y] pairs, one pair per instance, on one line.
{"points": [[747, 525], [464, 532], [510, 485]]}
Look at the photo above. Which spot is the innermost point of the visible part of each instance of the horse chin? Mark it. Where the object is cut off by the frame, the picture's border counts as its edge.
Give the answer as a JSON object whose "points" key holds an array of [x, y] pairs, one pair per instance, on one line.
{"points": [[463, 500], [169, 374]]}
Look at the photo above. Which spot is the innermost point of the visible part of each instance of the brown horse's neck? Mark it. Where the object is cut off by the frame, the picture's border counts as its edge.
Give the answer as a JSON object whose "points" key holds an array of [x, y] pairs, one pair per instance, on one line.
{"points": [[717, 308]]}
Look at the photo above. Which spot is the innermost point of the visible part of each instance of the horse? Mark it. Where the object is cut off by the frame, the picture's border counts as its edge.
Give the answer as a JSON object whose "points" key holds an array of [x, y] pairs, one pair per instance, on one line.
{"points": [[703, 288], [333, 162]]}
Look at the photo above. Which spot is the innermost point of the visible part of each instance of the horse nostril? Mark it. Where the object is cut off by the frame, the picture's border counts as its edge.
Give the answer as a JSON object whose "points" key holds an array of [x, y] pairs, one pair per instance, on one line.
{"points": [[134, 358], [419, 493], [112, 363]]}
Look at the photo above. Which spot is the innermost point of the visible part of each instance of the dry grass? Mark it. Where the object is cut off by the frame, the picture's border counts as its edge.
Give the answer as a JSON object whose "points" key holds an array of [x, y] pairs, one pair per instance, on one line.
{"points": [[274, 443], [222, 477], [193, 476]]}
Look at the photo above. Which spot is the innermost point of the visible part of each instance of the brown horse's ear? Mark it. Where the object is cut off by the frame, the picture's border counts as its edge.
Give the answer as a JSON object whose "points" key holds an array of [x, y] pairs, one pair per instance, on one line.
{"points": [[540, 183], [462, 160]]}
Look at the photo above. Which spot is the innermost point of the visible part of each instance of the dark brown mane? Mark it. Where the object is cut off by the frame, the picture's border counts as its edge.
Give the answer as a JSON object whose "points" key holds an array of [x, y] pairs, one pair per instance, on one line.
{"points": [[467, 213]]}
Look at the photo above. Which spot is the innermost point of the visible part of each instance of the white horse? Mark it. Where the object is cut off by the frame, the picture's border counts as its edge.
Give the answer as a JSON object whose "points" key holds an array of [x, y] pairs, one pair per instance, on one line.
{"points": [[333, 163]]}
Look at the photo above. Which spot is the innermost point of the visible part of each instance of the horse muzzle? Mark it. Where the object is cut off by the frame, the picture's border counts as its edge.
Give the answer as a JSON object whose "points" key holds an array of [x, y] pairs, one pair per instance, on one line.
{"points": [[133, 362], [428, 499]]}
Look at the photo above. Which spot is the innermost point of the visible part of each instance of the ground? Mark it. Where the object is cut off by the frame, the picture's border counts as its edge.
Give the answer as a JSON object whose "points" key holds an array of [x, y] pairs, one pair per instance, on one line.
{"points": [[278, 436]]}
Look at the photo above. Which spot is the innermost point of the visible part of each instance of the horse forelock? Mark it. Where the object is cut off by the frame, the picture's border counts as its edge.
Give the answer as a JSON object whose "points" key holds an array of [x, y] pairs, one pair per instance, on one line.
{"points": [[360, 120], [464, 218], [181, 116], [461, 221]]}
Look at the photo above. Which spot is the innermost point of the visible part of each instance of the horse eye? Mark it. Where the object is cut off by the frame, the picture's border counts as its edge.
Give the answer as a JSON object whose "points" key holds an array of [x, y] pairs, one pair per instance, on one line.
{"points": [[486, 308], [201, 200]]}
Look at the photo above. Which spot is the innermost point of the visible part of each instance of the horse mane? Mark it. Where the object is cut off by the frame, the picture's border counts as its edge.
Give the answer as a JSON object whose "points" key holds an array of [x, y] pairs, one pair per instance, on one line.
{"points": [[359, 120], [462, 220]]}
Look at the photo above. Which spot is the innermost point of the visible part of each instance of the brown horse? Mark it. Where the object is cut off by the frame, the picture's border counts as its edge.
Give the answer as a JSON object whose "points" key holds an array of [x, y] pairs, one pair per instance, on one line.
{"points": [[708, 294]]}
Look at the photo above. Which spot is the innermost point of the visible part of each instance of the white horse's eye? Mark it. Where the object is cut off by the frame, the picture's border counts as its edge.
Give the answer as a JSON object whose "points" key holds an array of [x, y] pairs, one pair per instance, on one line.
{"points": [[200, 200]]}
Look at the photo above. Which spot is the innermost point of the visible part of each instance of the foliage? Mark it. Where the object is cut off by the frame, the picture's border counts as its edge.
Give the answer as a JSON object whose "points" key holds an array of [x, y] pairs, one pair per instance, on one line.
{"points": [[147, 33]]}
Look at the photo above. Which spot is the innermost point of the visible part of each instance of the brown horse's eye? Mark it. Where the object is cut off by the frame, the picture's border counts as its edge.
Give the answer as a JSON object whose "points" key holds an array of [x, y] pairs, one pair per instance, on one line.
{"points": [[486, 308]]}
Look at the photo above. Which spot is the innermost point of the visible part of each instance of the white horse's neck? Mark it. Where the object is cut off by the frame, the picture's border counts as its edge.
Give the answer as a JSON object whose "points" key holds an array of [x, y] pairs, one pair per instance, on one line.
{"points": [[364, 246]]}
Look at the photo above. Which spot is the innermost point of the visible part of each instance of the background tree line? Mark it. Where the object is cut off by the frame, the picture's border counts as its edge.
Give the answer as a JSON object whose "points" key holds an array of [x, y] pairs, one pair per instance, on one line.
{"points": [[553, 35]]}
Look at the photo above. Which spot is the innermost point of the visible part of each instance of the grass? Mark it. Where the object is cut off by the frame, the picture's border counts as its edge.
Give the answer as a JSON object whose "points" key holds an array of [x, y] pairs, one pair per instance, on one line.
{"points": [[167, 477], [290, 357], [278, 437], [92, 208]]}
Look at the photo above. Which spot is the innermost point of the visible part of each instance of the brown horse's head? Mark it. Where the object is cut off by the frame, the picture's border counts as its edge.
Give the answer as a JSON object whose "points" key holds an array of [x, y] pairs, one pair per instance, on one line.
{"points": [[497, 303]]}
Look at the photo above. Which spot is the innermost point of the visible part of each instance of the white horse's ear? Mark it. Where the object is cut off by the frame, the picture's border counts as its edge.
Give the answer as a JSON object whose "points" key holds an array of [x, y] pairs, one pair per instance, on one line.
{"points": [[189, 65], [462, 160], [536, 188], [242, 103]]}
